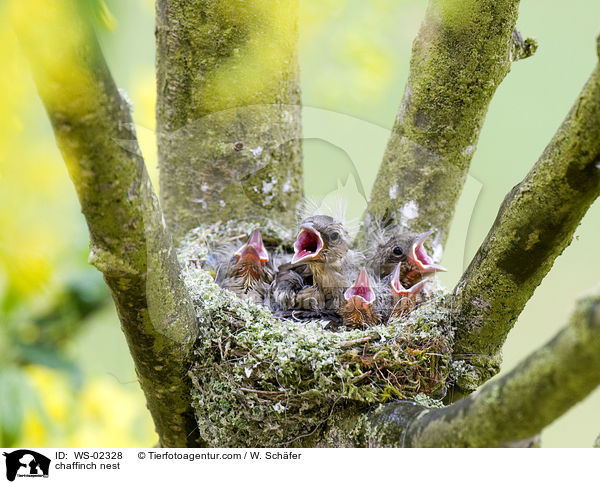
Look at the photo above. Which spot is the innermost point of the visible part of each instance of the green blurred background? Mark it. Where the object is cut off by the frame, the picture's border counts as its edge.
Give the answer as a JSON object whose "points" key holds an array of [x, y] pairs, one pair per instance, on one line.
{"points": [[66, 378]]}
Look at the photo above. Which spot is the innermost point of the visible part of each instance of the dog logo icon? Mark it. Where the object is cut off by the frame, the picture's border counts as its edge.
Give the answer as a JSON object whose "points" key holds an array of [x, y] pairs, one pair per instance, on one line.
{"points": [[26, 463]]}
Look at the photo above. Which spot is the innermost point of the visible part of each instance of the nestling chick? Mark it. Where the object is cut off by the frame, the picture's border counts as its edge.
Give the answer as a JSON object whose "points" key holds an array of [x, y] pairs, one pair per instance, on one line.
{"points": [[404, 300], [295, 281], [357, 310], [249, 272], [387, 253], [406, 248], [418, 263], [324, 246]]}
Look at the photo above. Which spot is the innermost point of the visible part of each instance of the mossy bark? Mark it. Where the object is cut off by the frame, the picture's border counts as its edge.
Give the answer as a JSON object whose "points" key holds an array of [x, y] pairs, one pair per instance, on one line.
{"points": [[509, 411], [228, 111], [535, 224], [129, 241], [462, 52]]}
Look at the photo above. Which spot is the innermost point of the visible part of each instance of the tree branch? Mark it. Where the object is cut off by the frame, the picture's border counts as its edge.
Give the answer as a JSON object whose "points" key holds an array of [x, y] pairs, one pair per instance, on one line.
{"points": [[228, 111], [461, 54], [535, 224], [522, 48], [129, 242], [509, 410]]}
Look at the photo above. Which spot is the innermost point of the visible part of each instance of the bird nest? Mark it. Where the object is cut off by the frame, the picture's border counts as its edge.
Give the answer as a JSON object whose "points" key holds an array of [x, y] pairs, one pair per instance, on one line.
{"points": [[263, 381]]}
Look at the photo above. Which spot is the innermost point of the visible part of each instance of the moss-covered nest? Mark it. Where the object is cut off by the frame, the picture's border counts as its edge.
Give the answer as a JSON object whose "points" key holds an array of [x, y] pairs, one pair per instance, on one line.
{"points": [[263, 381]]}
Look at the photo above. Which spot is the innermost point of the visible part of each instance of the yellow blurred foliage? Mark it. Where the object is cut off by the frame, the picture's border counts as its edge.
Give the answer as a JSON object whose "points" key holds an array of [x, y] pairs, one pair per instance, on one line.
{"points": [[353, 58], [11, 90], [144, 100], [315, 14], [148, 6], [25, 248], [102, 413], [371, 60]]}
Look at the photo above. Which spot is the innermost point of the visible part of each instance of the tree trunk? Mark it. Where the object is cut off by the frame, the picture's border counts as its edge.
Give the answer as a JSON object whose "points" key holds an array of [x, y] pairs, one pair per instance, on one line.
{"points": [[228, 111]]}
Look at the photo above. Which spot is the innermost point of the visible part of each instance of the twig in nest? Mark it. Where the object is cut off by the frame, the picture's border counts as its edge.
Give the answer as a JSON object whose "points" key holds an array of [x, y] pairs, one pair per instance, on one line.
{"points": [[353, 342], [263, 392]]}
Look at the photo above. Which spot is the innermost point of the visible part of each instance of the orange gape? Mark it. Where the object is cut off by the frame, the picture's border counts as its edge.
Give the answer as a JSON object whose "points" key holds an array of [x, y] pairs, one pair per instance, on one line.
{"points": [[404, 299], [358, 309]]}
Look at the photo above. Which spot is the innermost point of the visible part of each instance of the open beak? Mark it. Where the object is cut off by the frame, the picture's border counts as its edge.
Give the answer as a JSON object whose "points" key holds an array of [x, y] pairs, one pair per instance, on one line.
{"points": [[399, 290], [308, 245], [360, 293], [254, 248], [418, 256]]}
